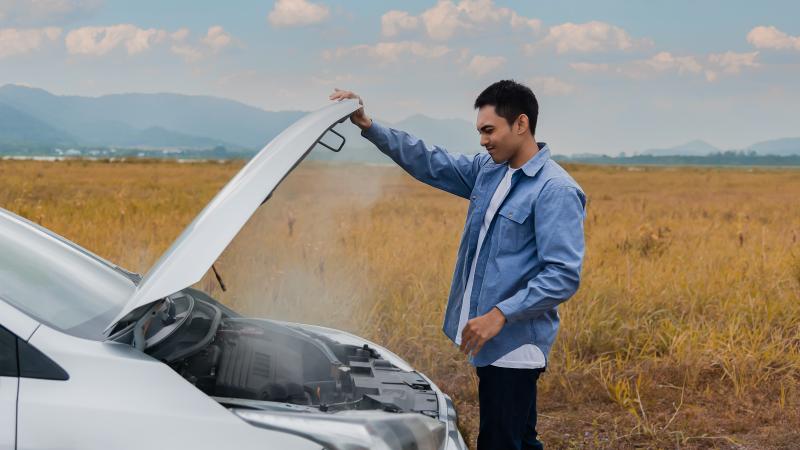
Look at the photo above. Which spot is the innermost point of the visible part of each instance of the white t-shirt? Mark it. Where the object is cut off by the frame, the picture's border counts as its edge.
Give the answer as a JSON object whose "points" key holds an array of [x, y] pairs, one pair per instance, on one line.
{"points": [[527, 356]]}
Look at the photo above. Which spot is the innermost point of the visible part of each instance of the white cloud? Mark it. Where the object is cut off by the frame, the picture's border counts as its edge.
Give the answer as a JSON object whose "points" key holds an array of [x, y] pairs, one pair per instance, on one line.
{"points": [[550, 86], [394, 22], [520, 22], [447, 18], [97, 41], [18, 41], [100, 40], [187, 52], [772, 38], [214, 41], [479, 11], [463, 55], [179, 46], [217, 38], [589, 67], [46, 11], [443, 20], [389, 52], [180, 35], [665, 62], [662, 62], [589, 37], [481, 65], [731, 62], [290, 13]]}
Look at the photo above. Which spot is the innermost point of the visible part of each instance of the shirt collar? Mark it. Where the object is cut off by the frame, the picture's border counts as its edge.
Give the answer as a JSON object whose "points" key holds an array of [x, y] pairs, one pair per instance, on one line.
{"points": [[531, 168]]}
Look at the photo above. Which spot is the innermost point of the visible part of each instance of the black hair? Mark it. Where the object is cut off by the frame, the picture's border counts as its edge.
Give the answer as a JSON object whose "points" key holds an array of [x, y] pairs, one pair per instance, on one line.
{"points": [[510, 99]]}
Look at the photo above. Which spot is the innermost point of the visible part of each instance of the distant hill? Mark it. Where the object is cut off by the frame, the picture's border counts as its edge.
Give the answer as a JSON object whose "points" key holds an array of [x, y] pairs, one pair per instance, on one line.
{"points": [[95, 119], [153, 121], [776, 147], [728, 158], [693, 148], [34, 121], [157, 137], [17, 127], [785, 146]]}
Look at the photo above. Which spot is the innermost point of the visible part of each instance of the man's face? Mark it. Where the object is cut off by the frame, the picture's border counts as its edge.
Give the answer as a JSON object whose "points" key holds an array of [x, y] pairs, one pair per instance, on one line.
{"points": [[496, 135]]}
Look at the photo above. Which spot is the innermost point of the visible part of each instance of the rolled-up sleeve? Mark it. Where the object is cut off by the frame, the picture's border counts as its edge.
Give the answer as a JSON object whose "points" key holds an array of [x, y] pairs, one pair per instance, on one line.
{"points": [[433, 165], [559, 213]]}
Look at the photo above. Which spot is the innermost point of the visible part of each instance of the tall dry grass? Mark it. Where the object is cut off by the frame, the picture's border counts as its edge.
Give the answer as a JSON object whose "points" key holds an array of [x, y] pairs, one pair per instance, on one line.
{"points": [[684, 334]]}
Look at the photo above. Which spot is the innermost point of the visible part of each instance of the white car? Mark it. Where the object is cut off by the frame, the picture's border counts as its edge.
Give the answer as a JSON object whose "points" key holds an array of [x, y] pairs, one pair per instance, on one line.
{"points": [[95, 357]]}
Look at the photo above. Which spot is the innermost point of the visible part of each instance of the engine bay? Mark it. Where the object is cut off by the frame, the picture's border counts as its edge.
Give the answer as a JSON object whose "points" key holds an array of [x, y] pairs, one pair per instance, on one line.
{"points": [[256, 363]]}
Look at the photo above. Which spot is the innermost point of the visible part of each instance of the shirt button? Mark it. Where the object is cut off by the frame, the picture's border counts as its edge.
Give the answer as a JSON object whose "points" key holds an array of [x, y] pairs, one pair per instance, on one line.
{"points": [[474, 197]]}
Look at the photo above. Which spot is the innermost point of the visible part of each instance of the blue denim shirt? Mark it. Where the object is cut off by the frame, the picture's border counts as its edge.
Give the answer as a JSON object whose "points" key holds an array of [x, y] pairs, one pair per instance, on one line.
{"points": [[533, 251]]}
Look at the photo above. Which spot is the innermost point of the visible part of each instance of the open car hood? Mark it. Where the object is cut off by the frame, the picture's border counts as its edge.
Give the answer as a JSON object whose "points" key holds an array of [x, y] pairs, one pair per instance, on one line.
{"points": [[201, 243]]}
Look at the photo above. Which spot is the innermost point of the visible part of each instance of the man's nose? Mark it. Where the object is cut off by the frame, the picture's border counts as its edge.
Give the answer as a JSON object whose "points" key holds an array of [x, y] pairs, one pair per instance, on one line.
{"points": [[484, 141]]}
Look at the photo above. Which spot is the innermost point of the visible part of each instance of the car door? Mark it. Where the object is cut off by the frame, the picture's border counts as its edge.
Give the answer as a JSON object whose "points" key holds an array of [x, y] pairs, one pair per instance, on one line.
{"points": [[9, 384]]}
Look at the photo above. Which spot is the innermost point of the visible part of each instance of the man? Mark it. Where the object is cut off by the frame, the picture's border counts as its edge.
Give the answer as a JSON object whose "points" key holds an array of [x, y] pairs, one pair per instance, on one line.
{"points": [[520, 255]]}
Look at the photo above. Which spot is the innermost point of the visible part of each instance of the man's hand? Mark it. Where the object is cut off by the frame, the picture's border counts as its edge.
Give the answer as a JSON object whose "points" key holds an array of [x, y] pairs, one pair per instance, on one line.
{"points": [[359, 117], [481, 329]]}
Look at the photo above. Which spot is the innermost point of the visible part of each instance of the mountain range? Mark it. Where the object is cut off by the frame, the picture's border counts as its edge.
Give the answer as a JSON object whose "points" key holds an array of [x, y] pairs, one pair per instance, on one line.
{"points": [[40, 119], [34, 118], [778, 147]]}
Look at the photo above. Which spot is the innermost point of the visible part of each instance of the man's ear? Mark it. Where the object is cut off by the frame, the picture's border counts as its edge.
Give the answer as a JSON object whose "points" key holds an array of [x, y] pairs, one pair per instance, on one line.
{"points": [[522, 124]]}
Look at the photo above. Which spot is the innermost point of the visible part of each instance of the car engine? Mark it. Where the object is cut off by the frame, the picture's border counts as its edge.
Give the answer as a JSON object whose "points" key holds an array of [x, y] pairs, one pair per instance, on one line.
{"points": [[252, 362]]}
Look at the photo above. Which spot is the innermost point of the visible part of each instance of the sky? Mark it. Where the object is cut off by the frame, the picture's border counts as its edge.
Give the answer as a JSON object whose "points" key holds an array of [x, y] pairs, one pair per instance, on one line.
{"points": [[611, 76]]}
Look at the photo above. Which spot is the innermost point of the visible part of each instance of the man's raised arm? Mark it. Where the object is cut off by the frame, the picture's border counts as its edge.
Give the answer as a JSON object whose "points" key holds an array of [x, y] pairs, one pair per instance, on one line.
{"points": [[451, 172]]}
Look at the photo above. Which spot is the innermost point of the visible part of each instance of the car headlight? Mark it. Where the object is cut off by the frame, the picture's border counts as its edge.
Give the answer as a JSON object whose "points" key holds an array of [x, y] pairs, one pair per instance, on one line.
{"points": [[354, 430], [454, 439]]}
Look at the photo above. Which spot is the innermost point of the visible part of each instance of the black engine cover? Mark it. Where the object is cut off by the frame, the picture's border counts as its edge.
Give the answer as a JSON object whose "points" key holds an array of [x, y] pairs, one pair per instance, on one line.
{"points": [[258, 368]]}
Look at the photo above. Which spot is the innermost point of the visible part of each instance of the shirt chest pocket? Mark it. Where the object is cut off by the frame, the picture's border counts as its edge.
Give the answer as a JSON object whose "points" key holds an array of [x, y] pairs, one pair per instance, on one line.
{"points": [[514, 228]]}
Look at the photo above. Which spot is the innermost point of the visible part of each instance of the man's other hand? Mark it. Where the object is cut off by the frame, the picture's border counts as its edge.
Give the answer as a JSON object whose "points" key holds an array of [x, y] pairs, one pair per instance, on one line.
{"points": [[359, 117], [481, 329]]}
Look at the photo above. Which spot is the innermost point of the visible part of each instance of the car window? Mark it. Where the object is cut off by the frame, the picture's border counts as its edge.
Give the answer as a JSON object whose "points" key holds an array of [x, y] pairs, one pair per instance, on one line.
{"points": [[8, 354]]}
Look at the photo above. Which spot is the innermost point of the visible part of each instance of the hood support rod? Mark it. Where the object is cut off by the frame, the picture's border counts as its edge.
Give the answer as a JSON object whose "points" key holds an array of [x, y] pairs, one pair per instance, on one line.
{"points": [[219, 278]]}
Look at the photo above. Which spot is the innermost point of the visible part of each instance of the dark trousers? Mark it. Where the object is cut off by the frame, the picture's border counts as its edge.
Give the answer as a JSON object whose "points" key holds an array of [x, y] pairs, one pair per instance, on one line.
{"points": [[508, 408]]}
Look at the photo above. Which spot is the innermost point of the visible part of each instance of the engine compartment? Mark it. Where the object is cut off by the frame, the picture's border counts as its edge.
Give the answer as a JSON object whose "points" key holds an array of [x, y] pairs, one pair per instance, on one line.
{"points": [[256, 363]]}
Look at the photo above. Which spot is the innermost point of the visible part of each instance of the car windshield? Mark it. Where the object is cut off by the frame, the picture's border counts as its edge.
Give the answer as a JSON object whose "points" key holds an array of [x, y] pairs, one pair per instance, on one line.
{"points": [[56, 282]]}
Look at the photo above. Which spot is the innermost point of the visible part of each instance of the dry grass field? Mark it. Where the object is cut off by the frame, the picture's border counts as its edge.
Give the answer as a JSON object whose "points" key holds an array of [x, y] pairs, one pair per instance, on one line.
{"points": [[685, 332]]}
